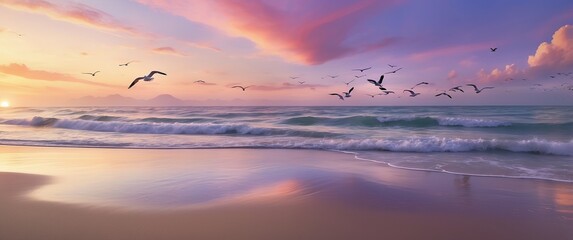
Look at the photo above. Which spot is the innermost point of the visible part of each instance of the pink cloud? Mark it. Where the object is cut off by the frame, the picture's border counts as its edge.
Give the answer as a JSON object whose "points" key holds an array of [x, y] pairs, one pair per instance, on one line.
{"points": [[557, 53], [309, 33], [510, 71], [452, 75], [168, 50], [21, 70], [74, 12]]}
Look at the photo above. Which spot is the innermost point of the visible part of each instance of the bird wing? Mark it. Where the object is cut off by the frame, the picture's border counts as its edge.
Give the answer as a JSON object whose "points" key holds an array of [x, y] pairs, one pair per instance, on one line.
{"points": [[473, 85], [237, 87], [448, 95], [336, 94], [372, 81], [410, 91], [134, 82], [349, 91], [487, 88], [154, 72], [381, 79]]}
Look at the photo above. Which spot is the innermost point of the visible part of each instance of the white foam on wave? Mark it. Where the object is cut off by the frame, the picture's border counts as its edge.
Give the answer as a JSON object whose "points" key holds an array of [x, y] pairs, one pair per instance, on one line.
{"points": [[471, 122], [435, 144], [142, 127]]}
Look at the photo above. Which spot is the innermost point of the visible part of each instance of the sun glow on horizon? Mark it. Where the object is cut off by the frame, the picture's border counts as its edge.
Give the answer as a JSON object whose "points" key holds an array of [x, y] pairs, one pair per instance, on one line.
{"points": [[4, 104]]}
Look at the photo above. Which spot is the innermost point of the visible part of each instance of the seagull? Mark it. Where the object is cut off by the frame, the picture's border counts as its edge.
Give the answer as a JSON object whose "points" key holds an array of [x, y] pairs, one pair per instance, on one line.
{"points": [[393, 71], [360, 76], [241, 87], [372, 95], [333, 76], [444, 93], [455, 89], [93, 74], [339, 96], [387, 92], [412, 93], [347, 94], [147, 78], [379, 83], [347, 83], [293, 78], [392, 66], [422, 83], [493, 49], [125, 64], [361, 69], [301, 82], [200, 81], [478, 90]]}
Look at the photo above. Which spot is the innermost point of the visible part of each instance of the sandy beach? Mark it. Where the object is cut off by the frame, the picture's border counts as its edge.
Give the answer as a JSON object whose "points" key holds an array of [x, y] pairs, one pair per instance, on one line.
{"points": [[74, 193]]}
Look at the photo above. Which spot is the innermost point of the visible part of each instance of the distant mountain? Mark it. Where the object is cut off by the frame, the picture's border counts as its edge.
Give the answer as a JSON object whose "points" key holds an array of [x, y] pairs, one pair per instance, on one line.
{"points": [[166, 100]]}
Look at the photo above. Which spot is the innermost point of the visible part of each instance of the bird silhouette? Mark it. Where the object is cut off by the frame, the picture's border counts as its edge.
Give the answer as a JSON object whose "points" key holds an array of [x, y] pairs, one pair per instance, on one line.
{"points": [[93, 74], [493, 49], [455, 89], [422, 83], [339, 96], [393, 71], [444, 94], [241, 87], [146, 78], [348, 83], [478, 90], [378, 83], [125, 64], [361, 69], [412, 93]]}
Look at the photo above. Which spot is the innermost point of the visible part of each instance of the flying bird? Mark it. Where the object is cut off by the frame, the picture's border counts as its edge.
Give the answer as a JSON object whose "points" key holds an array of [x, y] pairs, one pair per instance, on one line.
{"points": [[93, 74], [378, 83], [393, 71], [412, 93], [493, 49], [387, 92], [361, 69], [347, 94], [392, 66], [455, 89], [295, 77], [477, 89], [372, 95], [360, 76], [347, 83], [241, 87], [422, 83], [444, 93], [199, 81], [125, 64], [301, 82], [339, 96], [333, 76], [146, 78]]}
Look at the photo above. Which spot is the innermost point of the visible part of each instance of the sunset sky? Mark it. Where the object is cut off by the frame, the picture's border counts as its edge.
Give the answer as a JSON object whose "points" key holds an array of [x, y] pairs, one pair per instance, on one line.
{"points": [[47, 45]]}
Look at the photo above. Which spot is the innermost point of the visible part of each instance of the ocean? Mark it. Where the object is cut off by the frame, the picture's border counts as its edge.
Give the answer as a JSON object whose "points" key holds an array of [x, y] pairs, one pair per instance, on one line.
{"points": [[500, 141]]}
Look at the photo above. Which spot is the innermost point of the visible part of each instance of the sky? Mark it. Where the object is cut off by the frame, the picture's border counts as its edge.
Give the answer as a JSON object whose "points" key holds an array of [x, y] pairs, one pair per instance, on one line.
{"points": [[286, 51]]}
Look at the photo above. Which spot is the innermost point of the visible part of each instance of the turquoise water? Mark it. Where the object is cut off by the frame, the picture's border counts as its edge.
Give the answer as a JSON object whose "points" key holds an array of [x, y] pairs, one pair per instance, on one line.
{"points": [[517, 141]]}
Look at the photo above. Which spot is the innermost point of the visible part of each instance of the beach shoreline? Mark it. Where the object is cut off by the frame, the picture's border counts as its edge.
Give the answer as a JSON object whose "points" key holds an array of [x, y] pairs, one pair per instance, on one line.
{"points": [[262, 194]]}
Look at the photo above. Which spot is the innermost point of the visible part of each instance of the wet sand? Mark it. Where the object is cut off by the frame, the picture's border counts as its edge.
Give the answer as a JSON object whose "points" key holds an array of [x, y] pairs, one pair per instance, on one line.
{"points": [[64, 193]]}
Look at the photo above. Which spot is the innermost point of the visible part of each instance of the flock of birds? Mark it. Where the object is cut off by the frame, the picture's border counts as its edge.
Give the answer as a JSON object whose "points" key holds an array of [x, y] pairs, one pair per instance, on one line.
{"points": [[384, 91]]}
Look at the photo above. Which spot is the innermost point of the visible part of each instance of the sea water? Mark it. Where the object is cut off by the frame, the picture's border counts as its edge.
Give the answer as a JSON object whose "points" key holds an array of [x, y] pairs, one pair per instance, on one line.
{"points": [[502, 141]]}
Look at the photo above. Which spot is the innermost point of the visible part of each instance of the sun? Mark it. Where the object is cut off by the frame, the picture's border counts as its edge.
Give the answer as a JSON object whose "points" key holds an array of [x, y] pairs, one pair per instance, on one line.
{"points": [[4, 104]]}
